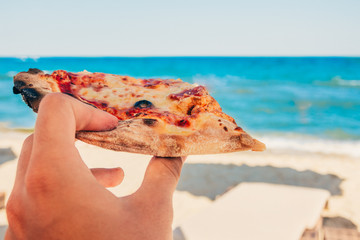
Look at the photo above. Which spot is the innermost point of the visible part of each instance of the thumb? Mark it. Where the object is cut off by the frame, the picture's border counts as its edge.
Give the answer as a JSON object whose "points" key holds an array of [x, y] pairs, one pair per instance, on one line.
{"points": [[108, 177], [161, 177]]}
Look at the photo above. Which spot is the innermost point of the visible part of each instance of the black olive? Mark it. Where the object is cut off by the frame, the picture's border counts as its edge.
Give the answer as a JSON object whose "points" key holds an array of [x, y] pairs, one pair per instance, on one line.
{"points": [[143, 104]]}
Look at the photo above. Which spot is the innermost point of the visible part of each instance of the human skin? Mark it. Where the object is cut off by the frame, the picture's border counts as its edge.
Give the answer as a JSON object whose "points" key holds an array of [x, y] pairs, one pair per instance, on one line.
{"points": [[56, 196]]}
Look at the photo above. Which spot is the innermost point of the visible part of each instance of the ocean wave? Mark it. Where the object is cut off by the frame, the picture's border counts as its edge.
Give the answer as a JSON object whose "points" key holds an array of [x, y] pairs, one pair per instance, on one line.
{"points": [[25, 58], [219, 83], [11, 74], [7, 76], [312, 144], [211, 80], [339, 82]]}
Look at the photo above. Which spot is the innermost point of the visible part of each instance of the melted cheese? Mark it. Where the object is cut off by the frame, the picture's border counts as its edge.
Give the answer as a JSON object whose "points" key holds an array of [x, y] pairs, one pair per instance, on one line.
{"points": [[124, 94]]}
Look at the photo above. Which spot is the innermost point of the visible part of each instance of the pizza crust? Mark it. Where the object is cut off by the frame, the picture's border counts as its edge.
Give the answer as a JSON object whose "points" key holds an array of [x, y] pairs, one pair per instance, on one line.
{"points": [[209, 134], [135, 136]]}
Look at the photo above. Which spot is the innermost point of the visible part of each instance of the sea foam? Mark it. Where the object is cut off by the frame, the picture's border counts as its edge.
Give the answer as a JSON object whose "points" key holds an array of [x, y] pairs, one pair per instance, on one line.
{"points": [[312, 144]]}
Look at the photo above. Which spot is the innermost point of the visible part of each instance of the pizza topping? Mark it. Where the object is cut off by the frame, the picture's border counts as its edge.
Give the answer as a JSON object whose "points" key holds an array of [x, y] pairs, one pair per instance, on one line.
{"points": [[172, 101], [151, 83], [197, 91], [62, 80], [66, 80], [183, 123], [156, 83], [99, 104], [190, 109], [143, 104], [238, 129]]}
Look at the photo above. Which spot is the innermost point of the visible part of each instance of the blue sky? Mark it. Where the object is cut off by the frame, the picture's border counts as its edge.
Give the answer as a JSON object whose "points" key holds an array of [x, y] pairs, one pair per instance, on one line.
{"points": [[180, 28]]}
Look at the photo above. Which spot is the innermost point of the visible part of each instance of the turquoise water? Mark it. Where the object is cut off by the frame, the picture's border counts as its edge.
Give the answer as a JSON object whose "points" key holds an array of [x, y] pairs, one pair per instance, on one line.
{"points": [[317, 96]]}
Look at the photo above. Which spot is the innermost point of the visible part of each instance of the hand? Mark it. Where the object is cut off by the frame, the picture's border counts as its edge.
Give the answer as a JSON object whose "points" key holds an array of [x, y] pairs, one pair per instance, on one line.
{"points": [[56, 196]]}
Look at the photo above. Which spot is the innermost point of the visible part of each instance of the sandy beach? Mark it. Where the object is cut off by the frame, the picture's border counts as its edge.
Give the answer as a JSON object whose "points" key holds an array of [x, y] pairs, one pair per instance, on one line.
{"points": [[205, 178]]}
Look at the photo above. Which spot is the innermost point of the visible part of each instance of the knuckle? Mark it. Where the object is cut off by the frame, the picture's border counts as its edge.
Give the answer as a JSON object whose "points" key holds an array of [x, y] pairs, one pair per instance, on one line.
{"points": [[14, 211], [21, 208], [174, 166], [28, 141], [53, 99], [38, 184]]}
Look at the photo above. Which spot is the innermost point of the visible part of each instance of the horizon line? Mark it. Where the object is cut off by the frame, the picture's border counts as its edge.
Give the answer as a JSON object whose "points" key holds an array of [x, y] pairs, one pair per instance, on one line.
{"points": [[164, 56]]}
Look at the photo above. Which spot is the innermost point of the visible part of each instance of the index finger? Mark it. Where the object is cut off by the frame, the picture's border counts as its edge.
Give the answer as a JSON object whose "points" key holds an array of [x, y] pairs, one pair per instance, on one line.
{"points": [[59, 117]]}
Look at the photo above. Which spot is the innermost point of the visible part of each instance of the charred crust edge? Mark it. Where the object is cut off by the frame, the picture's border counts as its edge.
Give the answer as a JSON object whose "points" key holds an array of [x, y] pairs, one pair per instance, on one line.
{"points": [[18, 84], [34, 71], [149, 122]]}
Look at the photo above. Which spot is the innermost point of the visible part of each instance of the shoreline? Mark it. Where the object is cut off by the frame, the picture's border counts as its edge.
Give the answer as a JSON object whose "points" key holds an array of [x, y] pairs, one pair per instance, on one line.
{"points": [[206, 177], [275, 141]]}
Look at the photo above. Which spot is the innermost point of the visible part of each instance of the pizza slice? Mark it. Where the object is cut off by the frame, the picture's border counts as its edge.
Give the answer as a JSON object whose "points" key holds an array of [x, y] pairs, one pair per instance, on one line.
{"points": [[158, 117]]}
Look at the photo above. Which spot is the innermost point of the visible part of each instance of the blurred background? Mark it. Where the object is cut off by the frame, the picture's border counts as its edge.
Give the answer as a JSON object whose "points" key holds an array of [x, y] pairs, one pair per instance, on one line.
{"points": [[287, 71], [277, 67]]}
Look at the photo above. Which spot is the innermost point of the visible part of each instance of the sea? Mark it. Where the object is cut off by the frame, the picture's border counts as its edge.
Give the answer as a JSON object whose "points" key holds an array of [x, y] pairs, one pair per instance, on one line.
{"points": [[301, 103]]}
